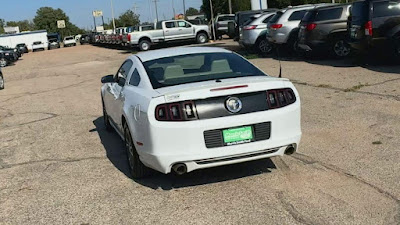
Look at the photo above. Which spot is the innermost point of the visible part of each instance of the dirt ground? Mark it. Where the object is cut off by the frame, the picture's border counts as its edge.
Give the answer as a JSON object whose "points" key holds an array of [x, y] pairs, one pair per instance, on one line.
{"points": [[58, 165]]}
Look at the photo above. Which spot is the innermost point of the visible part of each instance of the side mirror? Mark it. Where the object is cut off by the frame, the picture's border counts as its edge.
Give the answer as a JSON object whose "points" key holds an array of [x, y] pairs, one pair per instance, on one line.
{"points": [[107, 79], [121, 81]]}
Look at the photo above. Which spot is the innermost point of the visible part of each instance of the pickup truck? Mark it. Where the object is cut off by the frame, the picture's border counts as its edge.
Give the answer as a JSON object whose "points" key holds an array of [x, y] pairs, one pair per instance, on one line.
{"points": [[168, 31]]}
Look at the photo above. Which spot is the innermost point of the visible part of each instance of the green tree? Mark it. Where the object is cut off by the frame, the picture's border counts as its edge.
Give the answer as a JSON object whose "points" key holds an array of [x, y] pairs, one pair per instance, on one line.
{"points": [[46, 19], [222, 6], [24, 25], [127, 19], [191, 12], [2, 23]]}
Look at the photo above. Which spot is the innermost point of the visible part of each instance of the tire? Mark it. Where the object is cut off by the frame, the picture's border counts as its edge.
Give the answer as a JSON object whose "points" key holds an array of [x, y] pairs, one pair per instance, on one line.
{"points": [[106, 119], [3, 62], [144, 45], [137, 168], [340, 48], [201, 38], [397, 47], [263, 46], [74, 44], [1, 82]]}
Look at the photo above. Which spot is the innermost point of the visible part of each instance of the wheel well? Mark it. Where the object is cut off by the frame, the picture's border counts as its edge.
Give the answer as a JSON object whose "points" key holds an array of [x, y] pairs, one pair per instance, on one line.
{"points": [[201, 32], [145, 39]]}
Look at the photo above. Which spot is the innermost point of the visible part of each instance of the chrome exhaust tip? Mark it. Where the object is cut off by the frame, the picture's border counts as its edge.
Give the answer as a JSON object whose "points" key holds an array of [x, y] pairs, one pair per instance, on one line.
{"points": [[179, 168], [290, 150]]}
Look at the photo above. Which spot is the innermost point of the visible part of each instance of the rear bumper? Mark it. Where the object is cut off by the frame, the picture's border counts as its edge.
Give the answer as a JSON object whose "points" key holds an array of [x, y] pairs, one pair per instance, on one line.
{"points": [[169, 143]]}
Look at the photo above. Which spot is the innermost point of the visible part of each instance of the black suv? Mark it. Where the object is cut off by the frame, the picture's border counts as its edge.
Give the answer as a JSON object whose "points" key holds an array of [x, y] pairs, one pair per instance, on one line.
{"points": [[375, 23], [325, 28], [22, 47]]}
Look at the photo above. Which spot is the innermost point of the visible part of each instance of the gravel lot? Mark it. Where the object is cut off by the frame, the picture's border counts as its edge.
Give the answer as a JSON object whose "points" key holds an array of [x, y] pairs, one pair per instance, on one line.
{"points": [[58, 165]]}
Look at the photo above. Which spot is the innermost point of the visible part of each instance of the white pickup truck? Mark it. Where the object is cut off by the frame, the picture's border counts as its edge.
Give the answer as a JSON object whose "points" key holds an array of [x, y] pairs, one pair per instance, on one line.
{"points": [[168, 31]]}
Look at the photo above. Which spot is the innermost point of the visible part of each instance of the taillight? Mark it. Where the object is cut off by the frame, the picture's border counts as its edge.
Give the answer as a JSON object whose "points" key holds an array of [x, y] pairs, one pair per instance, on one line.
{"points": [[178, 111], [129, 37], [251, 27], [276, 26], [368, 28], [311, 26], [278, 98]]}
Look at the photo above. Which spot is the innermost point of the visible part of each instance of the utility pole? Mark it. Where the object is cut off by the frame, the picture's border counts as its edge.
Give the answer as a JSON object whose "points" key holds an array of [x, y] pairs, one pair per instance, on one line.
{"points": [[230, 6], [173, 9], [112, 14], [212, 19], [184, 10], [155, 4], [135, 7]]}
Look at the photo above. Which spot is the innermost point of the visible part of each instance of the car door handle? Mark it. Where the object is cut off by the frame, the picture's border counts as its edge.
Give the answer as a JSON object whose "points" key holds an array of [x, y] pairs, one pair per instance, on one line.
{"points": [[136, 112]]}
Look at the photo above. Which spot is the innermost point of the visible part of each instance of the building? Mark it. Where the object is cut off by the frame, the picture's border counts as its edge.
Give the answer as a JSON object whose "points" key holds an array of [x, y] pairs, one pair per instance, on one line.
{"points": [[11, 40]]}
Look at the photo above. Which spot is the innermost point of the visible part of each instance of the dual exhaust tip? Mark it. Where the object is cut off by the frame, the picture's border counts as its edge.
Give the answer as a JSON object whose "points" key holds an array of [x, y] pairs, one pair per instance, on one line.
{"points": [[180, 168]]}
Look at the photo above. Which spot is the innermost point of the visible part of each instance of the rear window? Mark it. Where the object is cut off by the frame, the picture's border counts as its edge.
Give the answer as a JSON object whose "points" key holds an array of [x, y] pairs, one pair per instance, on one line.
{"points": [[192, 68], [226, 18], [69, 38], [243, 18], [266, 20], [37, 43], [382, 9], [297, 15], [309, 16], [276, 17], [359, 13], [251, 19], [329, 14]]}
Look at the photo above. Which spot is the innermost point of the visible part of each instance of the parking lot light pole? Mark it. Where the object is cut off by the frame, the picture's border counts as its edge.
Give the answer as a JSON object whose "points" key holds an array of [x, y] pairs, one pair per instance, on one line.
{"points": [[212, 20], [112, 14]]}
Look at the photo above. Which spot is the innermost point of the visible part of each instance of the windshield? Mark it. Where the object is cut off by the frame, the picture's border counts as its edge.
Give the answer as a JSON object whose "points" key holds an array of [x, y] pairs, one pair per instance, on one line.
{"points": [[37, 43], [20, 45], [192, 68], [359, 13]]}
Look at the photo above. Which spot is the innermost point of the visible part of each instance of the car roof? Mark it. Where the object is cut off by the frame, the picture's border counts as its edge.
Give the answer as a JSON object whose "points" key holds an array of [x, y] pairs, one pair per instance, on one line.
{"points": [[331, 6], [169, 52]]}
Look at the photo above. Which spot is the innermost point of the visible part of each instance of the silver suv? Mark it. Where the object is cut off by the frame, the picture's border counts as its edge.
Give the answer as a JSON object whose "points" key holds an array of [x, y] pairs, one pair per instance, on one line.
{"points": [[283, 27], [253, 33]]}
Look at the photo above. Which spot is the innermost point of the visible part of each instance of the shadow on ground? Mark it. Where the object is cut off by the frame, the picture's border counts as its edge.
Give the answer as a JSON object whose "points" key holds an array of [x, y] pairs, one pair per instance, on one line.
{"points": [[115, 151]]}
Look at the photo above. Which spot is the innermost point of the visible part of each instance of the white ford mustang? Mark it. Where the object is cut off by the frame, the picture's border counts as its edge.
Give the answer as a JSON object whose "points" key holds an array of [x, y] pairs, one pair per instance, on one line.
{"points": [[182, 109]]}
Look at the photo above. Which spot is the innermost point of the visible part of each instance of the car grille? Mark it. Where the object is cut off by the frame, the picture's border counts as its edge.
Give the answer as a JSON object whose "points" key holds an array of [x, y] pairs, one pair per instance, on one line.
{"points": [[214, 139]]}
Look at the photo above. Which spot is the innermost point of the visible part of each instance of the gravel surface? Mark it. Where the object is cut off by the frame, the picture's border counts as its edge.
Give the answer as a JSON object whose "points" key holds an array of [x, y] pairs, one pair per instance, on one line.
{"points": [[58, 165]]}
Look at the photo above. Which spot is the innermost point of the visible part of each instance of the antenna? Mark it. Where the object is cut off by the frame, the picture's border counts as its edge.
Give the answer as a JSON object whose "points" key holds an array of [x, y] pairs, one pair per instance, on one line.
{"points": [[279, 59]]}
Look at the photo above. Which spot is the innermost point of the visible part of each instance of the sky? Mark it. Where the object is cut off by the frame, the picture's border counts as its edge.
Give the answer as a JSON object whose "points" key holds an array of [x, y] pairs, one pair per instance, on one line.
{"points": [[80, 11]]}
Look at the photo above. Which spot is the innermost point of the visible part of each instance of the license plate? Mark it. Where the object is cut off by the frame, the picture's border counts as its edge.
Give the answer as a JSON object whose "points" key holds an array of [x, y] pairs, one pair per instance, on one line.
{"points": [[239, 135]]}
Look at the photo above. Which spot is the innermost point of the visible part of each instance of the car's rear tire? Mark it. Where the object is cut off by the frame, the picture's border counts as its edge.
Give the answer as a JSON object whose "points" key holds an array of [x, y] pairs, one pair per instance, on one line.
{"points": [[3, 62], [263, 46], [106, 119], [202, 38], [144, 45], [397, 47], [137, 168], [1, 82], [341, 48]]}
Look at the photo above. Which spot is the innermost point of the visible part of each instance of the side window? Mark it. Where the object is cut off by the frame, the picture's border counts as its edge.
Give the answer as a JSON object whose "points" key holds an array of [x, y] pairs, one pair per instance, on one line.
{"points": [[386, 8], [329, 14], [169, 24], [135, 78], [183, 24], [297, 15], [123, 70]]}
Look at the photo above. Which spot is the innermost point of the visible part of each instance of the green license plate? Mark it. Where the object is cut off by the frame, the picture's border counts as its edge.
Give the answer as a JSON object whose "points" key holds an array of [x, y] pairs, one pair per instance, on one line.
{"points": [[236, 136]]}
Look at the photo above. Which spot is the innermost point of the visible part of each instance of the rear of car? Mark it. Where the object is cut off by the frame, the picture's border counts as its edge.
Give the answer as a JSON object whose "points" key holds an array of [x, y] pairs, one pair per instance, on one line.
{"points": [[283, 27], [244, 16], [374, 23], [253, 33], [221, 24], [23, 48], [215, 109], [325, 29], [53, 43], [38, 45], [69, 41]]}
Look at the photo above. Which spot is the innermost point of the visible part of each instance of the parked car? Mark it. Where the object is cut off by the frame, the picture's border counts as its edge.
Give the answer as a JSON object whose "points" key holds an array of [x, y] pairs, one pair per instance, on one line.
{"points": [[324, 29], [69, 41], [1, 80], [253, 33], [9, 54], [22, 47], [221, 22], [13, 51], [38, 45], [53, 43], [375, 23], [168, 31], [184, 109], [284, 26], [84, 39], [243, 16], [3, 60]]}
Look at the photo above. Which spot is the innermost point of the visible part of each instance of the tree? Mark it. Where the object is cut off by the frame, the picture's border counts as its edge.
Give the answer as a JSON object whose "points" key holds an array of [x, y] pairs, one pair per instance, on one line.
{"points": [[127, 19], [222, 6], [2, 23], [46, 19], [191, 12], [24, 25]]}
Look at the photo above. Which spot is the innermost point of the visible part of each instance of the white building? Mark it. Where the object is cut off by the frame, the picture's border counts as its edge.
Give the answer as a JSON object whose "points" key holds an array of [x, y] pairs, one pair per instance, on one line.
{"points": [[11, 40]]}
